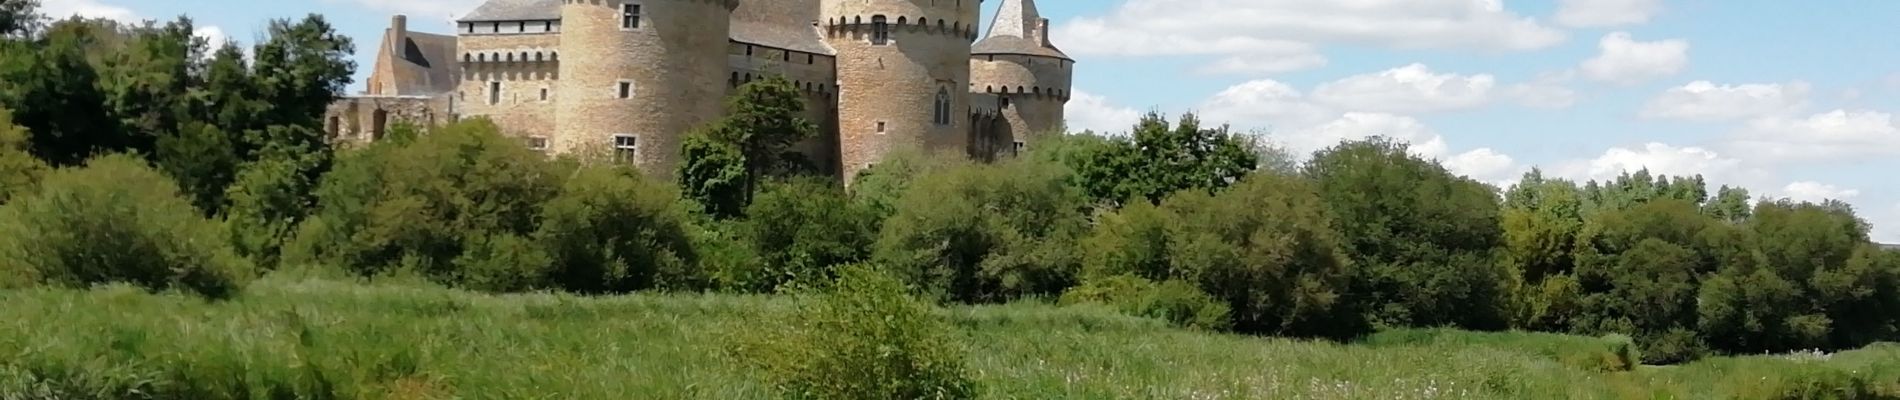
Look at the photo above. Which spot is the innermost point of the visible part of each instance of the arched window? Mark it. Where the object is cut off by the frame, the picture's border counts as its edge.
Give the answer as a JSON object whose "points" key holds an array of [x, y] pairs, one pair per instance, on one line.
{"points": [[943, 107], [880, 30]]}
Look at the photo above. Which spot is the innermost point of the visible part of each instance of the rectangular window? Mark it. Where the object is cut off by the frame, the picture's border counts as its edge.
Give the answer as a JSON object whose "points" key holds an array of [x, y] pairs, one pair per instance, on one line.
{"points": [[494, 92], [1019, 147], [880, 30], [880, 127], [544, 94], [629, 16], [626, 147], [625, 90], [538, 143]]}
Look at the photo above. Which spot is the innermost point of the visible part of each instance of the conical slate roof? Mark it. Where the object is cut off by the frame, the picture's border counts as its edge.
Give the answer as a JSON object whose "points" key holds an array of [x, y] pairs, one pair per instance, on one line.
{"points": [[1017, 30]]}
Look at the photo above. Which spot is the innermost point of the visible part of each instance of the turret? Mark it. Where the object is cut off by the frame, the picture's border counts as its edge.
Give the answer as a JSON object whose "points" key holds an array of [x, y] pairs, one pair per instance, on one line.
{"points": [[643, 74], [903, 74], [1030, 77]]}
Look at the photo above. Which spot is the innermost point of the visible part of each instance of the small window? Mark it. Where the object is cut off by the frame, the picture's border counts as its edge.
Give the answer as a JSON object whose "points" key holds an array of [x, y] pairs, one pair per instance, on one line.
{"points": [[624, 90], [494, 92], [880, 127], [537, 143], [629, 16], [544, 94], [1003, 101], [880, 30], [1018, 147], [626, 147], [943, 107]]}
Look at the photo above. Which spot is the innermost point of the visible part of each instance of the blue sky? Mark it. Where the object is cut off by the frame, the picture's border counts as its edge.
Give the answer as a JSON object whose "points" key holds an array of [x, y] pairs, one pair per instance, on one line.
{"points": [[1790, 99]]}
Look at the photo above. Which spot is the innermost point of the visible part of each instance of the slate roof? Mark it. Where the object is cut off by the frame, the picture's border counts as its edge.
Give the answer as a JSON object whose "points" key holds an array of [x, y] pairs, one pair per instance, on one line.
{"points": [[435, 56], [1016, 45], [1010, 32], [514, 10], [785, 24]]}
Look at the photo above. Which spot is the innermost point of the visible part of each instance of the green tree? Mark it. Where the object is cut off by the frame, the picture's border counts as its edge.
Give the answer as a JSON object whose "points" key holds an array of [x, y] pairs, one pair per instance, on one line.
{"points": [[611, 231], [1160, 159], [52, 86], [116, 220], [1422, 236], [19, 18], [803, 227], [19, 171], [301, 67], [1639, 271], [1731, 204], [200, 157], [1265, 247], [763, 120], [1541, 219], [985, 233]]}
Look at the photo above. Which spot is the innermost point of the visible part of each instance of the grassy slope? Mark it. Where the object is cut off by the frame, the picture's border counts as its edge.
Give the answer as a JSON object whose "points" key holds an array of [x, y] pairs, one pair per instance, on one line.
{"points": [[318, 339]]}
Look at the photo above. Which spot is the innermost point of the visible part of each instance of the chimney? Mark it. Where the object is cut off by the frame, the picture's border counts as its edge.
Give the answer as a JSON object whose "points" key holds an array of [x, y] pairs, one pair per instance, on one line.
{"points": [[1042, 33], [398, 33]]}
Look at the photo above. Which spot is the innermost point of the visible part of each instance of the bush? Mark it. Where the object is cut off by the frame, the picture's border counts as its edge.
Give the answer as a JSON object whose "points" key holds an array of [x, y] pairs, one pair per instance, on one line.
{"points": [[987, 233], [1179, 303], [116, 220], [19, 171], [1264, 246], [425, 201], [802, 227], [865, 339], [612, 230]]}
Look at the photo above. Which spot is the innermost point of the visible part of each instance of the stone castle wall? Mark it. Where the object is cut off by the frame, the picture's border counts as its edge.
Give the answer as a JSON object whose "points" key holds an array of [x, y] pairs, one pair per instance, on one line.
{"points": [[526, 69], [675, 62], [359, 120], [815, 75], [889, 96], [1036, 89]]}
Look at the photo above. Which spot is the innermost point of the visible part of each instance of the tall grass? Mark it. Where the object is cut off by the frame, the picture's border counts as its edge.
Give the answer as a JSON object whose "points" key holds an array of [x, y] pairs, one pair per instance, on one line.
{"points": [[289, 338]]}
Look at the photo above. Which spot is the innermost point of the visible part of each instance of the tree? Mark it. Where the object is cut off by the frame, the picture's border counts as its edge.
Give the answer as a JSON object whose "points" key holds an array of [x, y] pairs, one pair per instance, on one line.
{"points": [[803, 227], [1265, 247], [763, 120], [613, 231], [301, 67], [19, 18], [1422, 236], [52, 86], [200, 157], [19, 172], [1731, 204], [987, 233], [1541, 219], [1158, 160], [1639, 271]]}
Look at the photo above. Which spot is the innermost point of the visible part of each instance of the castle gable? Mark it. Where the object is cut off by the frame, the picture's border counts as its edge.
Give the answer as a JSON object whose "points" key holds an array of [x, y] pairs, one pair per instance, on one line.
{"points": [[515, 10]]}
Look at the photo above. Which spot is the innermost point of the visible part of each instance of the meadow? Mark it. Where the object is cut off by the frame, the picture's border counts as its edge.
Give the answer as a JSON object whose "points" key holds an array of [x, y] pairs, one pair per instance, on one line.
{"points": [[332, 339]]}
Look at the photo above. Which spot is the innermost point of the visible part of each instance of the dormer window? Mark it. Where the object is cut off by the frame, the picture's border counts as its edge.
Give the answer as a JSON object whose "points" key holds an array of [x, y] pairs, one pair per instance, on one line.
{"points": [[880, 30], [629, 16]]}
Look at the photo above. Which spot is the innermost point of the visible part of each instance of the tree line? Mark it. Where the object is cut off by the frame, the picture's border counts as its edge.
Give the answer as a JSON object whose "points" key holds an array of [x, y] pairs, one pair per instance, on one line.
{"points": [[137, 154]]}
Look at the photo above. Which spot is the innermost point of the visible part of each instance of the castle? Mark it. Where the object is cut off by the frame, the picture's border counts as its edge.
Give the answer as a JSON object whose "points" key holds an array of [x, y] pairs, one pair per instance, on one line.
{"points": [[635, 76]]}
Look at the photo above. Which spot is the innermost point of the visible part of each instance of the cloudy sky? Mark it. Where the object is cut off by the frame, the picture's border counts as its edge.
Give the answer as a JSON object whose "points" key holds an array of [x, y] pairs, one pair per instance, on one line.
{"points": [[1788, 98]]}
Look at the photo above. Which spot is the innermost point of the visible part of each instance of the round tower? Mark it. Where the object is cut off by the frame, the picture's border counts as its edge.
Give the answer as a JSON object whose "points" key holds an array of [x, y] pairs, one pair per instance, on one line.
{"points": [[903, 76], [1029, 76], [637, 75]]}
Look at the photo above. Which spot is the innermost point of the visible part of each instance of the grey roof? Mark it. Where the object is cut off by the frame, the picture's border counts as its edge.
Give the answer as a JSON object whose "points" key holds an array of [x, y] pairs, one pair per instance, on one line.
{"points": [[436, 55], [785, 24], [1016, 45], [1014, 31], [515, 10]]}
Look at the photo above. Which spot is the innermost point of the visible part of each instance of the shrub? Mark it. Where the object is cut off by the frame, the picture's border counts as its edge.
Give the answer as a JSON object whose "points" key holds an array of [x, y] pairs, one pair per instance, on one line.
{"points": [[984, 233], [865, 339], [19, 171], [612, 230], [802, 227], [1179, 303], [425, 201], [116, 220]]}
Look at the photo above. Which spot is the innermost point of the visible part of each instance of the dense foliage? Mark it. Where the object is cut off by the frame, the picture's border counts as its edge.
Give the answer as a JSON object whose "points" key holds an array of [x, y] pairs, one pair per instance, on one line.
{"points": [[865, 338], [115, 220]]}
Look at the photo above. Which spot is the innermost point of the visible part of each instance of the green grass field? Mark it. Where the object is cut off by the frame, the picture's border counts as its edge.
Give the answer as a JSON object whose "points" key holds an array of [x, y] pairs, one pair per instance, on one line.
{"points": [[294, 339]]}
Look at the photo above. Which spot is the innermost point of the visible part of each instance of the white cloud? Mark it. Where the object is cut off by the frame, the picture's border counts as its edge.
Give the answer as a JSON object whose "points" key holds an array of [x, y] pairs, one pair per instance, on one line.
{"points": [[1409, 89], [1658, 158], [1548, 91], [1597, 13], [1706, 101], [419, 10], [1088, 111], [1487, 165], [1838, 135], [1264, 103], [1816, 192], [1267, 36], [1358, 125], [61, 9], [1624, 60]]}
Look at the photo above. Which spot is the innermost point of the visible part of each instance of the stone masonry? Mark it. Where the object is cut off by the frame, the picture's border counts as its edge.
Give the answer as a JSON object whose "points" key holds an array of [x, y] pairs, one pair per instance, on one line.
{"points": [[631, 78]]}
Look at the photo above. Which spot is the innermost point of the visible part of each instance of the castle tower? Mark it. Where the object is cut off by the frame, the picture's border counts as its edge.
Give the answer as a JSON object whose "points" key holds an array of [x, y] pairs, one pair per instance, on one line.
{"points": [[637, 75], [1030, 77], [903, 75]]}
